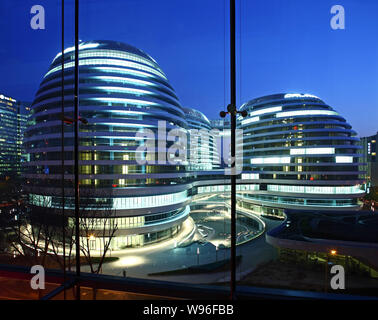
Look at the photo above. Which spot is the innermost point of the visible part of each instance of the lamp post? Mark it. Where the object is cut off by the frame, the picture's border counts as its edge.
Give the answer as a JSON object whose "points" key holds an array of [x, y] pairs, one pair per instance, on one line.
{"points": [[198, 253]]}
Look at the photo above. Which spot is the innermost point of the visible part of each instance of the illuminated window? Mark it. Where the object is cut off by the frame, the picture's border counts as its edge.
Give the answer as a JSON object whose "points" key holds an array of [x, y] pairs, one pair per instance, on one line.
{"points": [[105, 61], [267, 110], [312, 151], [250, 176], [270, 160], [298, 95], [305, 113], [316, 189], [250, 120], [344, 159]]}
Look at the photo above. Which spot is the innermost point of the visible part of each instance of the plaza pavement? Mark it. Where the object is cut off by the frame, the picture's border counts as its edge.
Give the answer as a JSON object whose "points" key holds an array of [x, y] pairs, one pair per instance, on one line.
{"points": [[140, 262]]}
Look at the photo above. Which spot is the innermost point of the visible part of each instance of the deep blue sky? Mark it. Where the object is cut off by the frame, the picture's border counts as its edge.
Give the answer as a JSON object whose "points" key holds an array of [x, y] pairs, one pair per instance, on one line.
{"points": [[286, 46]]}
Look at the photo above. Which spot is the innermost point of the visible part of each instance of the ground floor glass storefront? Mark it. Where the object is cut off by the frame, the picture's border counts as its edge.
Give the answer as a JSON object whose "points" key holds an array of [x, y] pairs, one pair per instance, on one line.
{"points": [[260, 209], [135, 240]]}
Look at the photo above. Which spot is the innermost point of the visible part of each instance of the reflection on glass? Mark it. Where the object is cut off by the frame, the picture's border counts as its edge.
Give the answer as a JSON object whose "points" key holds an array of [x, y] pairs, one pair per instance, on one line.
{"points": [[154, 156], [305, 145]]}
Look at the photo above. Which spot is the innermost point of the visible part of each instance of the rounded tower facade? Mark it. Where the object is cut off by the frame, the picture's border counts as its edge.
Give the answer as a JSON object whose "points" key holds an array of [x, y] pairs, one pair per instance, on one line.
{"points": [[301, 153], [128, 104]]}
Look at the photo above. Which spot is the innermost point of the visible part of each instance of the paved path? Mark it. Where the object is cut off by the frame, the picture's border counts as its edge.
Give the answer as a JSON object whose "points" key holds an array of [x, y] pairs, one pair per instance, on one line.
{"points": [[140, 262]]}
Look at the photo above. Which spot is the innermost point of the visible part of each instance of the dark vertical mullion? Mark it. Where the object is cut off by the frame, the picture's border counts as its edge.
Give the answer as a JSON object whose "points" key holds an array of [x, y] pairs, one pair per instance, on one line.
{"points": [[62, 158], [233, 158], [76, 151]]}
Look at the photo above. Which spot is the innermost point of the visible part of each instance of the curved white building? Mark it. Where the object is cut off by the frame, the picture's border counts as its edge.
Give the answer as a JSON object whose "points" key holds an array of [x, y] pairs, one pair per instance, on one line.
{"points": [[125, 97], [301, 153], [202, 142]]}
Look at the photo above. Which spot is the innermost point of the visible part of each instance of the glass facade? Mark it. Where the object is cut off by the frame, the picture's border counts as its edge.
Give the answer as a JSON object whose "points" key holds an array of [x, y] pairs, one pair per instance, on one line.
{"points": [[118, 173], [369, 165], [13, 118]]}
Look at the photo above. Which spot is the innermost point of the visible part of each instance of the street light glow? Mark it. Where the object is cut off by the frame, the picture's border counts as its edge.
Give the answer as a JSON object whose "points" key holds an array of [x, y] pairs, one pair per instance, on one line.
{"points": [[132, 261]]}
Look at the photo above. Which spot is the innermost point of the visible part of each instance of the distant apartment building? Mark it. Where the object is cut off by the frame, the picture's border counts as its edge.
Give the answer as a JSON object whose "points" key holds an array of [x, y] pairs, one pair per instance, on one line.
{"points": [[369, 159], [13, 118]]}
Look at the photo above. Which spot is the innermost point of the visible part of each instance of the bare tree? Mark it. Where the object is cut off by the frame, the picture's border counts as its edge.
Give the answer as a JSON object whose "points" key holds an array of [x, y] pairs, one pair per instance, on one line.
{"points": [[56, 245], [32, 235], [29, 238], [97, 229], [39, 239]]}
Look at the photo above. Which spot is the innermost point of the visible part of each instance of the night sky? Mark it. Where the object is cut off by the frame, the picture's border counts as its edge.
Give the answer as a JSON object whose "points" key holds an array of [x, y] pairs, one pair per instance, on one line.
{"points": [[285, 46]]}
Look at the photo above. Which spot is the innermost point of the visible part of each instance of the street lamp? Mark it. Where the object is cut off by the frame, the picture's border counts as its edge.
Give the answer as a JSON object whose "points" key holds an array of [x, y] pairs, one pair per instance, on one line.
{"points": [[198, 252]]}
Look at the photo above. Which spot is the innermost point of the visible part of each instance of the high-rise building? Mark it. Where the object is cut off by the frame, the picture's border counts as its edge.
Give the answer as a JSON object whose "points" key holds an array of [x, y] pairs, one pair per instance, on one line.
{"points": [[370, 159], [300, 154], [13, 118], [130, 106]]}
